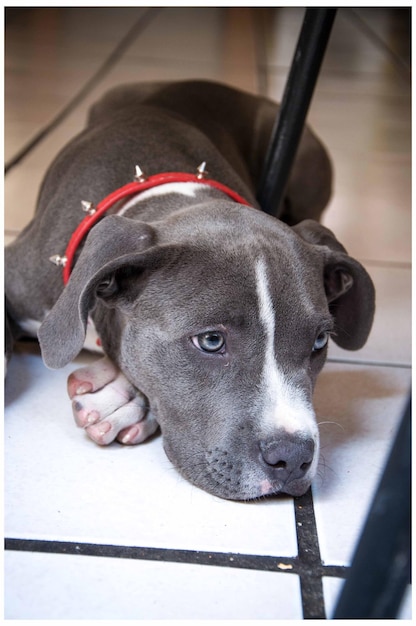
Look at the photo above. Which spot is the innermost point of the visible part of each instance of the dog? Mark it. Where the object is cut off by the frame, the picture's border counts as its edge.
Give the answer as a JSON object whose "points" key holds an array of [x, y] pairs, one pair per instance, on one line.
{"points": [[213, 317]]}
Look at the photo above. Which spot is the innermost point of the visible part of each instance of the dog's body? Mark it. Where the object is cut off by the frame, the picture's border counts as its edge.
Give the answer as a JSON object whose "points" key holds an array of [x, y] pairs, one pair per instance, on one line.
{"points": [[214, 316]]}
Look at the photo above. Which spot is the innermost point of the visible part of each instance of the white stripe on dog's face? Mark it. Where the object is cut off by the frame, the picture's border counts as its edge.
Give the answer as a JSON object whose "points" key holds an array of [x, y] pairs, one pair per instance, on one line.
{"points": [[284, 404]]}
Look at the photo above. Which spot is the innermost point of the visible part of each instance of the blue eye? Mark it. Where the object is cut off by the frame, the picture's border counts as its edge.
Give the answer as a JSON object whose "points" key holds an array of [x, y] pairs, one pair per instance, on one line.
{"points": [[320, 341], [211, 341]]}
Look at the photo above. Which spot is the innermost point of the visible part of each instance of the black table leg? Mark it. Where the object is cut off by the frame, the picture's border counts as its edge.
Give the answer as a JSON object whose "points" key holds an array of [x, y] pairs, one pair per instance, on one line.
{"points": [[380, 569], [300, 85]]}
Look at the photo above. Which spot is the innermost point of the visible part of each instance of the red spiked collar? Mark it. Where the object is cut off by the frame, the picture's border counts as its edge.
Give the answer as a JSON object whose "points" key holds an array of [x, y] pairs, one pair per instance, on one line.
{"points": [[141, 183]]}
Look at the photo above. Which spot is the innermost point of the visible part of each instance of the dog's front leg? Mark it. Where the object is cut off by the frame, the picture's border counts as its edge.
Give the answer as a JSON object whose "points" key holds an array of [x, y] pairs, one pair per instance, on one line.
{"points": [[107, 405]]}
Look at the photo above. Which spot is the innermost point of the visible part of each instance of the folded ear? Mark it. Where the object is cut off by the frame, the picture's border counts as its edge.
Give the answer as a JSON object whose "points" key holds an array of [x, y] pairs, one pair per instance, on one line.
{"points": [[349, 288], [113, 243]]}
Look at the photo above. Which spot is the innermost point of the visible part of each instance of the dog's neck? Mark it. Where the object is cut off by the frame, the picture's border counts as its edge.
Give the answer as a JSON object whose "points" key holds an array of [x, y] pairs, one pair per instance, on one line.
{"points": [[129, 195], [159, 202]]}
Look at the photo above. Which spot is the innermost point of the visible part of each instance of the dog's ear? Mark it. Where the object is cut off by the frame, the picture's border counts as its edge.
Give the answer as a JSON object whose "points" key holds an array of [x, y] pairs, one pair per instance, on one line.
{"points": [[113, 243], [349, 288]]}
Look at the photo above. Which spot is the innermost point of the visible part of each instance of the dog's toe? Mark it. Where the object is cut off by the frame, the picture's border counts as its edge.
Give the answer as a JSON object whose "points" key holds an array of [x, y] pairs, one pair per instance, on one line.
{"points": [[138, 432], [129, 416], [90, 408], [91, 378]]}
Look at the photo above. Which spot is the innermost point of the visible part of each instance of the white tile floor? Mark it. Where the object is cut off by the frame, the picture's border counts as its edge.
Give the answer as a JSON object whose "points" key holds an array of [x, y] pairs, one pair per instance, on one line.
{"points": [[59, 486]]}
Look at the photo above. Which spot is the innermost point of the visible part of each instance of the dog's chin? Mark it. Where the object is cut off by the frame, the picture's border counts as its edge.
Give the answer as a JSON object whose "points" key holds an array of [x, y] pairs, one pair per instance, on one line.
{"points": [[295, 488], [266, 489], [260, 491]]}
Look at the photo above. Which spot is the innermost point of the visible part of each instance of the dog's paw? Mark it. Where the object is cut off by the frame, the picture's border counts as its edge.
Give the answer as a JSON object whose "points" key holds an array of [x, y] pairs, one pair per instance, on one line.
{"points": [[107, 405]]}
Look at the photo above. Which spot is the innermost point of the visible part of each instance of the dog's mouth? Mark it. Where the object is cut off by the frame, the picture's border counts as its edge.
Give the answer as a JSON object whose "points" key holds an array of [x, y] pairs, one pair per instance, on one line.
{"points": [[229, 478]]}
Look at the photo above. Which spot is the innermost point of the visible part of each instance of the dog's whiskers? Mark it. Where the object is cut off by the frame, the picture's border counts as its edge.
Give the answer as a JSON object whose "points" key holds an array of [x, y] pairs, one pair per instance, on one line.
{"points": [[331, 422], [322, 469]]}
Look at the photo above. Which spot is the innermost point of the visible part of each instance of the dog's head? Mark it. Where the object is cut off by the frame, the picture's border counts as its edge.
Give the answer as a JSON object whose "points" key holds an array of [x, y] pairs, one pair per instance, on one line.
{"points": [[221, 316]]}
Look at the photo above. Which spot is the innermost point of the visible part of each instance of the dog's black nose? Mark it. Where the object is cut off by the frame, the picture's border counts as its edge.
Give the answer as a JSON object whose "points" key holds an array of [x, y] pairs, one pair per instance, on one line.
{"points": [[288, 456]]}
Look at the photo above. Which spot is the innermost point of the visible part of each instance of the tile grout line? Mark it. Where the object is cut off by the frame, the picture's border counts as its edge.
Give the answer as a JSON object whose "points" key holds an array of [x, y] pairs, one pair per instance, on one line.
{"points": [[261, 63], [389, 265], [277, 564], [313, 604], [339, 360], [307, 564], [139, 25], [401, 66]]}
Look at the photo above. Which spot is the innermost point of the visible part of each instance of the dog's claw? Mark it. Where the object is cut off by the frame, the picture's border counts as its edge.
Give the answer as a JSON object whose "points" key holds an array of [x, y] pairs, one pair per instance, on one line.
{"points": [[128, 435], [84, 388], [138, 433]]}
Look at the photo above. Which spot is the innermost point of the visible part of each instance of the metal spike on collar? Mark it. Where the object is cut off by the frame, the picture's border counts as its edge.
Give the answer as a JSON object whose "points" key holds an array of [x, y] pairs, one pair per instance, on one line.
{"points": [[88, 207], [201, 170], [140, 176], [58, 260]]}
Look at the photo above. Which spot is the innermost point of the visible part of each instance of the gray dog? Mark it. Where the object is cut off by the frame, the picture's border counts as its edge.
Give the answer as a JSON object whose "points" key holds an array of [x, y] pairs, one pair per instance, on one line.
{"points": [[213, 317]]}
